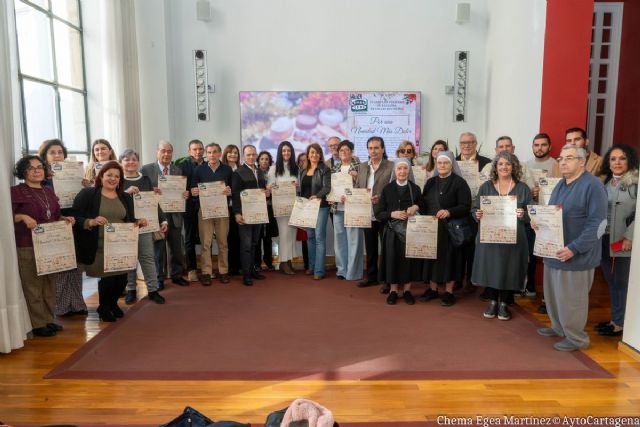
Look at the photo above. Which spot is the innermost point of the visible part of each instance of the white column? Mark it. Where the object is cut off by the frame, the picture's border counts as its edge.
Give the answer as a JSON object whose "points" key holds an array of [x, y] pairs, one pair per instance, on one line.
{"points": [[515, 50], [152, 65]]}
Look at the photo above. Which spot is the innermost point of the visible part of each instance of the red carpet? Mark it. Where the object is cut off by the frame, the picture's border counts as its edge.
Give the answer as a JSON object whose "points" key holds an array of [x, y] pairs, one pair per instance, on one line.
{"points": [[292, 327]]}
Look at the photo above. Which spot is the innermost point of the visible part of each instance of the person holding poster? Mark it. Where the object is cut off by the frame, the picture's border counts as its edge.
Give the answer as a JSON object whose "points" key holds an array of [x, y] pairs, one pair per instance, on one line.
{"points": [[578, 137], [374, 175], [93, 208], [620, 175], [231, 158], [398, 201], [134, 183], [445, 195], [284, 173], [69, 300], [315, 184], [542, 165], [173, 239], [469, 153], [569, 276], [502, 267], [406, 150], [33, 203], [247, 176], [264, 251], [430, 167], [188, 165], [505, 143], [213, 171], [347, 241], [101, 152]]}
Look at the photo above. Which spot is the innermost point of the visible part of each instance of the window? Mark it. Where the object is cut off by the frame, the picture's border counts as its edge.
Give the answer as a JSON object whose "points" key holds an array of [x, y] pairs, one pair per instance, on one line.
{"points": [[52, 74]]}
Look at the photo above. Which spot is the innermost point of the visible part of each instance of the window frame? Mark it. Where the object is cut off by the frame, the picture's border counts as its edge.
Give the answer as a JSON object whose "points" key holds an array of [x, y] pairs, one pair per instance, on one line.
{"points": [[31, 147]]}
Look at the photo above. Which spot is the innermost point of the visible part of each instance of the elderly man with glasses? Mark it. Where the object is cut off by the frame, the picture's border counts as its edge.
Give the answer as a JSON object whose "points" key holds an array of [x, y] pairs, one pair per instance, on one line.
{"points": [[469, 151], [569, 275]]}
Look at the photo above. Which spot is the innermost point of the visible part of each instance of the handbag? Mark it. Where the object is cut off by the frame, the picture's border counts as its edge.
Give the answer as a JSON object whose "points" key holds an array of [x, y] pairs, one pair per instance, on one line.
{"points": [[192, 418], [189, 418], [399, 226], [459, 230]]}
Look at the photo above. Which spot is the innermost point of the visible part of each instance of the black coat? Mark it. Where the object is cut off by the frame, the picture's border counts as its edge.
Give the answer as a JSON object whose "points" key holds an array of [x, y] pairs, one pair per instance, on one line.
{"points": [[455, 196], [391, 201], [86, 206], [244, 179], [395, 268], [320, 182]]}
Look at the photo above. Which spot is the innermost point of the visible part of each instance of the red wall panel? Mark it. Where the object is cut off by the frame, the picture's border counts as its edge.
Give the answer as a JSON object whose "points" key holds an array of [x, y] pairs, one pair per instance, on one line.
{"points": [[565, 73]]}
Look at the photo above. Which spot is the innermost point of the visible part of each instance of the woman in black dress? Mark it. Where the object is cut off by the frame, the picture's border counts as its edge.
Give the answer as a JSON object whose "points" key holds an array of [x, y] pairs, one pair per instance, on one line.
{"points": [[93, 208], [446, 195], [398, 201]]}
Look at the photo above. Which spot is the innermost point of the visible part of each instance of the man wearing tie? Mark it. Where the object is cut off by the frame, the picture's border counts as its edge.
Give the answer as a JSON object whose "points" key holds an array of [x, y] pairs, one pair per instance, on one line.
{"points": [[248, 176], [174, 232]]}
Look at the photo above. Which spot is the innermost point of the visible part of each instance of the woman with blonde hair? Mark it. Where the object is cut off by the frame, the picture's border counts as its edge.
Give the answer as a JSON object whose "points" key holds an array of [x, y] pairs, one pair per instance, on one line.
{"points": [[101, 152], [406, 150]]}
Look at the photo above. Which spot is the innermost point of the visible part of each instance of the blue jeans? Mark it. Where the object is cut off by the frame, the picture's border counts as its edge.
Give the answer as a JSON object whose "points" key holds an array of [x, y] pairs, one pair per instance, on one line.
{"points": [[348, 246], [317, 242], [618, 281]]}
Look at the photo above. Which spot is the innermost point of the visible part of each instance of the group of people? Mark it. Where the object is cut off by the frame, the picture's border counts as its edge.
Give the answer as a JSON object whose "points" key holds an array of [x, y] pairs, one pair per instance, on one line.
{"points": [[597, 195]]}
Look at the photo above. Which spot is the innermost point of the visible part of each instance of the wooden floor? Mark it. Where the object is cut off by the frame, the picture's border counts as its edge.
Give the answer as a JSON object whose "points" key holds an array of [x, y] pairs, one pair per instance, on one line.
{"points": [[26, 398]]}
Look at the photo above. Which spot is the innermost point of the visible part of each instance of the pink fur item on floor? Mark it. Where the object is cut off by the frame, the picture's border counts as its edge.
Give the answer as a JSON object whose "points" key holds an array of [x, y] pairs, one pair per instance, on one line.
{"points": [[305, 409]]}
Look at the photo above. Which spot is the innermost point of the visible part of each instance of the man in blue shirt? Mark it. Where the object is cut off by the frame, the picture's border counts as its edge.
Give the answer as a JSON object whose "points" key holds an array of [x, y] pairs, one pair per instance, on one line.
{"points": [[568, 277], [211, 171]]}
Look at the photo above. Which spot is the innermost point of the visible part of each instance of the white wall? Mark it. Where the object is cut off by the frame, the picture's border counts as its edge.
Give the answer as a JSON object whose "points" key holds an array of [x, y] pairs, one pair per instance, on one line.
{"points": [[337, 45], [515, 53]]}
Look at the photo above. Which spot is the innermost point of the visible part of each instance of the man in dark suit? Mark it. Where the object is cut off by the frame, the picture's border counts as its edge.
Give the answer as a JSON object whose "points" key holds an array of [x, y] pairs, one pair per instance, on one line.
{"points": [[188, 166], [469, 151], [246, 177], [373, 175], [174, 232]]}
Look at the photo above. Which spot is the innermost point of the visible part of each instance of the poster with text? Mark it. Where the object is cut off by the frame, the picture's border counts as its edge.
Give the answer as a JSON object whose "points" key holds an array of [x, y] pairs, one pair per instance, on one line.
{"points": [[304, 118]]}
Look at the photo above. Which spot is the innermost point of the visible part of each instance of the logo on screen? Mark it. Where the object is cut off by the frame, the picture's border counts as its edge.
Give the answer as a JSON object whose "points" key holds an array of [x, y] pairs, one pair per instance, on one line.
{"points": [[357, 103]]}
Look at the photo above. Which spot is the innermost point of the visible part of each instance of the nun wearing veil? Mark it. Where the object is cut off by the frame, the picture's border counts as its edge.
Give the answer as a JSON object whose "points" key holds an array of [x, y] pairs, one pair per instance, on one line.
{"points": [[446, 195], [398, 201]]}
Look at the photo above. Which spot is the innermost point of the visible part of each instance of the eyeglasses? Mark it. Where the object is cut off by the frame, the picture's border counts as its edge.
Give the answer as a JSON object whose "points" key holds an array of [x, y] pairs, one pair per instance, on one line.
{"points": [[467, 142], [568, 158], [405, 151], [37, 168]]}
